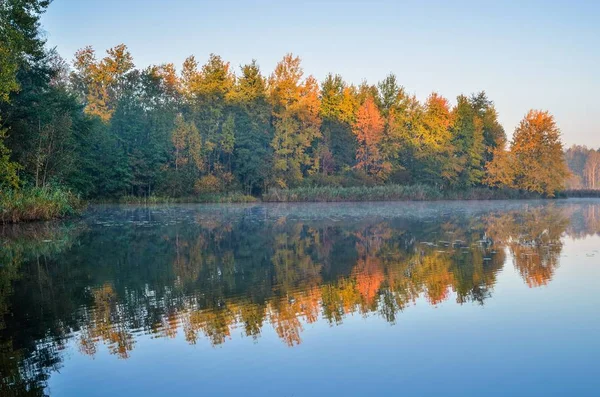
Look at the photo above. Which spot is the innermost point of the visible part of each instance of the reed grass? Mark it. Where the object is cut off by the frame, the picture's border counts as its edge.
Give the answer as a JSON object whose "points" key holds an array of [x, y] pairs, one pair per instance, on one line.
{"points": [[233, 197], [38, 204], [390, 193]]}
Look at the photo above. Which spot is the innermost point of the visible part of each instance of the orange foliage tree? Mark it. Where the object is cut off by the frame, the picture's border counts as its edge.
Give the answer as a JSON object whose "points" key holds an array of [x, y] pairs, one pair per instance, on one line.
{"points": [[536, 160], [368, 130]]}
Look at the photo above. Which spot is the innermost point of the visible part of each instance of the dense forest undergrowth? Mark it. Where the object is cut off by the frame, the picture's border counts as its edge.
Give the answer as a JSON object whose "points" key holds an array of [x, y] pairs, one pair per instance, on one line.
{"points": [[100, 129]]}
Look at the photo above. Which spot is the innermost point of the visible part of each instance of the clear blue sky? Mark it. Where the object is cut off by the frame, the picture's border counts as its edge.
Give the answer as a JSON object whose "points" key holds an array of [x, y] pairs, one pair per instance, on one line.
{"points": [[524, 54]]}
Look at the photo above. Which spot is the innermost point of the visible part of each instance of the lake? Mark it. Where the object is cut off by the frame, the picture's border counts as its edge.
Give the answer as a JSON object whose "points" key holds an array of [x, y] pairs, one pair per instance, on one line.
{"points": [[456, 298]]}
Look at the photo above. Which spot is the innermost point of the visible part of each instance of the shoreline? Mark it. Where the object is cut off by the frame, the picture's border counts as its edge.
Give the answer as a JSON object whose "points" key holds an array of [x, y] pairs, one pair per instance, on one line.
{"points": [[34, 205]]}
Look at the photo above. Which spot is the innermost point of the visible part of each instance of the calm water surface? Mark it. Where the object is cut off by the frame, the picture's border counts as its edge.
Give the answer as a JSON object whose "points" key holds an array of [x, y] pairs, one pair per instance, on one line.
{"points": [[461, 298]]}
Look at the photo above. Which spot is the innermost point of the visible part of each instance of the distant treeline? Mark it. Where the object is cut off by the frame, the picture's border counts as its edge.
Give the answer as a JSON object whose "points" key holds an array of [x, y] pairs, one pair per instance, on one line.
{"points": [[584, 165], [104, 128]]}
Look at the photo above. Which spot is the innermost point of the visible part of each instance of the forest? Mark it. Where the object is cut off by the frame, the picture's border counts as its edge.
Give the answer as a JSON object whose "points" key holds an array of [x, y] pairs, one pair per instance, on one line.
{"points": [[97, 127], [584, 165]]}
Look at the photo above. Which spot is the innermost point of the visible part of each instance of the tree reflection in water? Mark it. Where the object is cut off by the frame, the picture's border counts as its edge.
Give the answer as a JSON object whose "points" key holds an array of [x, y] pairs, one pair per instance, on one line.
{"points": [[102, 282]]}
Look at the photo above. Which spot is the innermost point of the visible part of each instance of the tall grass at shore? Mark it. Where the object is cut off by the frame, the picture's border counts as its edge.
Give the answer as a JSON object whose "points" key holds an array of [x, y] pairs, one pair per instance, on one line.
{"points": [[38, 204], [389, 193], [202, 198]]}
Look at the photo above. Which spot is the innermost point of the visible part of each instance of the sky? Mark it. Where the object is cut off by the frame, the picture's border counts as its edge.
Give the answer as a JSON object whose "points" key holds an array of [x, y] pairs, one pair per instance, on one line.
{"points": [[524, 54]]}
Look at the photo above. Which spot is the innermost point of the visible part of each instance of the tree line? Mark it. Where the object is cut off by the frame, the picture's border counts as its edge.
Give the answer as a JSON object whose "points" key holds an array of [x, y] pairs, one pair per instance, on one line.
{"points": [[584, 165], [104, 128]]}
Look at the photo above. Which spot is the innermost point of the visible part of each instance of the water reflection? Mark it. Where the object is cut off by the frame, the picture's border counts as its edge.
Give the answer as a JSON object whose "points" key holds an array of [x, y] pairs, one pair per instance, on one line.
{"points": [[212, 272]]}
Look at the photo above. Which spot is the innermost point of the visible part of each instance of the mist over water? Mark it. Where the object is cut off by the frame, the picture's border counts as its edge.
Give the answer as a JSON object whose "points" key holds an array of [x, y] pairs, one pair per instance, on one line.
{"points": [[304, 299]]}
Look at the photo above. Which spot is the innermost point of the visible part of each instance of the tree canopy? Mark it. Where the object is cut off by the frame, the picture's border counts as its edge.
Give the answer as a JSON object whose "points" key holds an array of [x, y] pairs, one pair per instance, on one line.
{"points": [[105, 128]]}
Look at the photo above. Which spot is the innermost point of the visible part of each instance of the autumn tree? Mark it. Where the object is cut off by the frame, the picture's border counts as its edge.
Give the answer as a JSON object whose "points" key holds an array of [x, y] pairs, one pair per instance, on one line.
{"points": [[102, 83], [432, 143], [500, 172], [368, 130], [295, 104], [538, 154]]}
